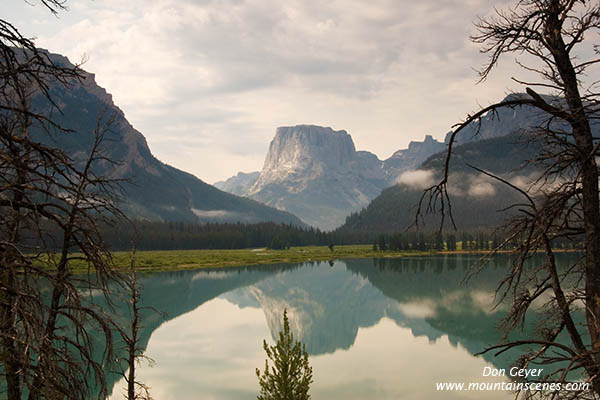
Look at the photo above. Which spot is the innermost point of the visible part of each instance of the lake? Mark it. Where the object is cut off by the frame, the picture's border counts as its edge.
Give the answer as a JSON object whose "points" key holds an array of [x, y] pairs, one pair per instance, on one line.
{"points": [[376, 329]]}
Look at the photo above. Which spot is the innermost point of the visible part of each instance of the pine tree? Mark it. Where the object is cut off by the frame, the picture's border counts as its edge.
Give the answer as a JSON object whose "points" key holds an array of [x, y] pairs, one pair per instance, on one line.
{"points": [[290, 376], [382, 243], [451, 242]]}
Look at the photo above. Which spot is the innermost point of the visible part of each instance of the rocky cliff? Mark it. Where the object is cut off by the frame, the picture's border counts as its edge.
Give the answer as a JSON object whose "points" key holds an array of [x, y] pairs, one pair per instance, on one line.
{"points": [[239, 184], [411, 158], [317, 174]]}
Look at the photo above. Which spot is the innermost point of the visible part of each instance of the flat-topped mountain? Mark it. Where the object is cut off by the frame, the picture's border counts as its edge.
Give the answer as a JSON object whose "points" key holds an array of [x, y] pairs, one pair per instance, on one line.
{"points": [[317, 174], [305, 152], [155, 191]]}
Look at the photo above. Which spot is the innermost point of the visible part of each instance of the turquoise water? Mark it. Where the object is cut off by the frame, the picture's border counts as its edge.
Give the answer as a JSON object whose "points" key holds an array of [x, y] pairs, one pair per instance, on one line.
{"points": [[374, 329]]}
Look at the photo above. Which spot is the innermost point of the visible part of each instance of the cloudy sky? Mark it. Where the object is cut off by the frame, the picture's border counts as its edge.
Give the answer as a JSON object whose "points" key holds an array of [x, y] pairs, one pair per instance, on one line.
{"points": [[208, 82]]}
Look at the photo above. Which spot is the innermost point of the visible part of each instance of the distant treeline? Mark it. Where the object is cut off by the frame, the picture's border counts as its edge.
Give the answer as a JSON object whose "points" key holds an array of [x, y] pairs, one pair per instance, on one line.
{"points": [[183, 236], [454, 241], [148, 235]]}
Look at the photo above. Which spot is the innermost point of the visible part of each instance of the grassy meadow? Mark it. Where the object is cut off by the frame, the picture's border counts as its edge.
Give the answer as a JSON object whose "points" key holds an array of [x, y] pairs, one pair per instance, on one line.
{"points": [[161, 260]]}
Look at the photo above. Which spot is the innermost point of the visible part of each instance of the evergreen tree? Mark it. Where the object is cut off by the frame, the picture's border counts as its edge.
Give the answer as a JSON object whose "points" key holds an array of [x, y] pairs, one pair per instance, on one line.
{"points": [[382, 243], [451, 242], [277, 244], [396, 242], [422, 242], [438, 241], [290, 376]]}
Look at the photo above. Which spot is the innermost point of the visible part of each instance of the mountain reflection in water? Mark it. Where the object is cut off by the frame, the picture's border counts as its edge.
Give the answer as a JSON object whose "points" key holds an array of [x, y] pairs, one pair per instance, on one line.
{"points": [[377, 329]]}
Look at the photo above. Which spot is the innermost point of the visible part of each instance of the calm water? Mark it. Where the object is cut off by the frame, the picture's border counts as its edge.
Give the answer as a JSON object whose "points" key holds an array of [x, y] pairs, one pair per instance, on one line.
{"points": [[374, 329]]}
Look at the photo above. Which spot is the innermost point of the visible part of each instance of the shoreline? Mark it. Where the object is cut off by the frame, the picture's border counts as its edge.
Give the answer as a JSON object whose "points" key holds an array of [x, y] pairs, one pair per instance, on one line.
{"points": [[174, 260]]}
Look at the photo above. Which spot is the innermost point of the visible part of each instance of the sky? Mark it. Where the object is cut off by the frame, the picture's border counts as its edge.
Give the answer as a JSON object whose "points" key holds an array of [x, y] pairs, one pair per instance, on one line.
{"points": [[207, 82]]}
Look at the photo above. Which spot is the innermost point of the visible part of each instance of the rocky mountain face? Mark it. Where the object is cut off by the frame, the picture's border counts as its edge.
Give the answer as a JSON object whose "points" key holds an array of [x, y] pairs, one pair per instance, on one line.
{"points": [[411, 158], [317, 174], [240, 184], [503, 121], [154, 190]]}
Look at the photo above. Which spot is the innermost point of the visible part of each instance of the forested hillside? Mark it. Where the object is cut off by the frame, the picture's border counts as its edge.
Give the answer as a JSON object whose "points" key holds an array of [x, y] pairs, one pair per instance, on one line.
{"points": [[477, 201], [149, 188]]}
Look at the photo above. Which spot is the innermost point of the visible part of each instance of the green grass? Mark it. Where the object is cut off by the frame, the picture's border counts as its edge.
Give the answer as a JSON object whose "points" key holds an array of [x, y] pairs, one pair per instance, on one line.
{"points": [[194, 259]]}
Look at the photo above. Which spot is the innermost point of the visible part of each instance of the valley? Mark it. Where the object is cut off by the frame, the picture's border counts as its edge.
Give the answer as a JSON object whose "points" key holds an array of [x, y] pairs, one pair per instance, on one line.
{"points": [[312, 176]]}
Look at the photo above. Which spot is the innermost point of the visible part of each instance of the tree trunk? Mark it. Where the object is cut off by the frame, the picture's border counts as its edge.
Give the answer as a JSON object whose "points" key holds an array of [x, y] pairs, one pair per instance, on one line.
{"points": [[8, 300], [589, 177], [133, 340], [9, 351]]}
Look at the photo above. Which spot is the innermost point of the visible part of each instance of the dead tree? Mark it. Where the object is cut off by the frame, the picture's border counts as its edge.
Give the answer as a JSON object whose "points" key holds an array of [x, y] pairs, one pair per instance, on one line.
{"points": [[136, 390], [548, 36], [51, 209]]}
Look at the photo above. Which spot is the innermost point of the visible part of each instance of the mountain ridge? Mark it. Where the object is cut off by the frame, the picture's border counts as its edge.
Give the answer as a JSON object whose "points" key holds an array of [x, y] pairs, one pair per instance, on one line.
{"points": [[276, 185], [316, 173], [155, 191], [476, 199]]}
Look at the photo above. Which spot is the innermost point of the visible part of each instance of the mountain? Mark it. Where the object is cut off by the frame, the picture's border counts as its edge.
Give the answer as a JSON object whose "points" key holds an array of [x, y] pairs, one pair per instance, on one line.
{"points": [[503, 121], [240, 184], [476, 199], [317, 174], [518, 119], [154, 191], [501, 143], [411, 158]]}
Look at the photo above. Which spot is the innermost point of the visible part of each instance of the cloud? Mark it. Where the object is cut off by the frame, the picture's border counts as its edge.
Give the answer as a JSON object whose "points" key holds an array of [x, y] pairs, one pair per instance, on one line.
{"points": [[481, 189], [522, 182], [467, 184], [230, 71], [419, 179], [472, 302], [455, 190], [418, 309], [216, 214], [535, 186]]}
